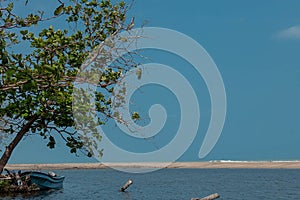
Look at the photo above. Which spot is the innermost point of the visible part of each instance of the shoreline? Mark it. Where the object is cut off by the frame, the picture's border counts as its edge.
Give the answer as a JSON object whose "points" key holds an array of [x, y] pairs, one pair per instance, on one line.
{"points": [[180, 165]]}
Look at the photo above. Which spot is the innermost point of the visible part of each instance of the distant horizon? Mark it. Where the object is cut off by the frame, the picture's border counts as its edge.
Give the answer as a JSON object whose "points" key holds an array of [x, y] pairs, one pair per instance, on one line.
{"points": [[200, 161]]}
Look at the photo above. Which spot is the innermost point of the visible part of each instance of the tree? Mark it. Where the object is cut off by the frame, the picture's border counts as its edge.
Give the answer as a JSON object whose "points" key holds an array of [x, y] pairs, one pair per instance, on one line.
{"points": [[36, 86]]}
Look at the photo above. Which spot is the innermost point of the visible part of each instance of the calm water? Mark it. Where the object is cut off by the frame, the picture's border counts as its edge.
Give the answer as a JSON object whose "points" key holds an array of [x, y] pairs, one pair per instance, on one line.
{"points": [[245, 184]]}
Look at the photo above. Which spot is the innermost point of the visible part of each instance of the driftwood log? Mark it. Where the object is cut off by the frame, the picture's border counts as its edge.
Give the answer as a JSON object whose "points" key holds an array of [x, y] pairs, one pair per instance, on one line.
{"points": [[210, 197], [127, 184]]}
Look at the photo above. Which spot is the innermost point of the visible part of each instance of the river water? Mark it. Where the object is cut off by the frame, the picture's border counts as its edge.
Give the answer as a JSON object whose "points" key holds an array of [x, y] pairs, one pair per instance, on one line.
{"points": [[246, 184]]}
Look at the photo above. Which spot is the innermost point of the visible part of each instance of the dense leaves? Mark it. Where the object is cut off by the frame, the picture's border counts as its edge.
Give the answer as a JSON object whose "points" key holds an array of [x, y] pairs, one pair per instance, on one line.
{"points": [[37, 84]]}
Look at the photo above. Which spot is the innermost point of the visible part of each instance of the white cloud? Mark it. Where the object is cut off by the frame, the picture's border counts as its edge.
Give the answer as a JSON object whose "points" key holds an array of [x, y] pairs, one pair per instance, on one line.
{"points": [[290, 33]]}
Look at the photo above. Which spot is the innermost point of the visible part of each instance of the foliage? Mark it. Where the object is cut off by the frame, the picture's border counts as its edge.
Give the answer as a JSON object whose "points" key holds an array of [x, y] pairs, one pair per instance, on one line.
{"points": [[135, 116], [4, 183], [36, 85]]}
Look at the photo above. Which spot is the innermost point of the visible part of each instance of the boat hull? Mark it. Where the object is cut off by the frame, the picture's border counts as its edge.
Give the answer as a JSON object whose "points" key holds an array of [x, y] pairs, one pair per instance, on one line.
{"points": [[45, 181]]}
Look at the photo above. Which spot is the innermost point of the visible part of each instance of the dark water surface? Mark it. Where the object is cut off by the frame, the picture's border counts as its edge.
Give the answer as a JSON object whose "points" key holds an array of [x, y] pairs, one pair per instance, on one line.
{"points": [[245, 184]]}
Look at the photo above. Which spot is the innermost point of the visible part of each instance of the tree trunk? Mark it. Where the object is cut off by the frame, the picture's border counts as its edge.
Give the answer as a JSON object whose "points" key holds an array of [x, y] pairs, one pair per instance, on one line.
{"points": [[9, 149]]}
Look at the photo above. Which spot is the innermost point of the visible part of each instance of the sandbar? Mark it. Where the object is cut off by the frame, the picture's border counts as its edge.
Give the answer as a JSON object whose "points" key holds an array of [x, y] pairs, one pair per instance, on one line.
{"points": [[194, 165]]}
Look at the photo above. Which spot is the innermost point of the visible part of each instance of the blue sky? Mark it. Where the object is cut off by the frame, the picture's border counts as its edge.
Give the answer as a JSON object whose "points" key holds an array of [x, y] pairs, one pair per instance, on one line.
{"points": [[255, 45]]}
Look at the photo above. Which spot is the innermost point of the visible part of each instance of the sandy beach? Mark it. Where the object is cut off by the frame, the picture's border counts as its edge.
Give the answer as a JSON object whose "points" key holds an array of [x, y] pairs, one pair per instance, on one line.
{"points": [[196, 165]]}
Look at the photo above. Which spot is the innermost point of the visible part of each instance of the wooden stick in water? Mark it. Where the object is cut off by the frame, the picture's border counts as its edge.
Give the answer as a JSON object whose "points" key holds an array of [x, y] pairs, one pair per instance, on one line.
{"points": [[210, 197], [127, 184]]}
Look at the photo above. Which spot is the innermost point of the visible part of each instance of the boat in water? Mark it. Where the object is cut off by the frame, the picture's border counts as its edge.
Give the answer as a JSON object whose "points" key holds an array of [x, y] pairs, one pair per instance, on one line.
{"points": [[44, 180]]}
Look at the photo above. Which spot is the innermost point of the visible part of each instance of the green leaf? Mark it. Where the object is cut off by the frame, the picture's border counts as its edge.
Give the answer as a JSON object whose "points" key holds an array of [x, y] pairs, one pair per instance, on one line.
{"points": [[139, 73], [10, 7], [135, 116], [73, 150], [24, 32], [59, 10], [24, 115], [50, 69], [10, 72], [122, 3]]}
